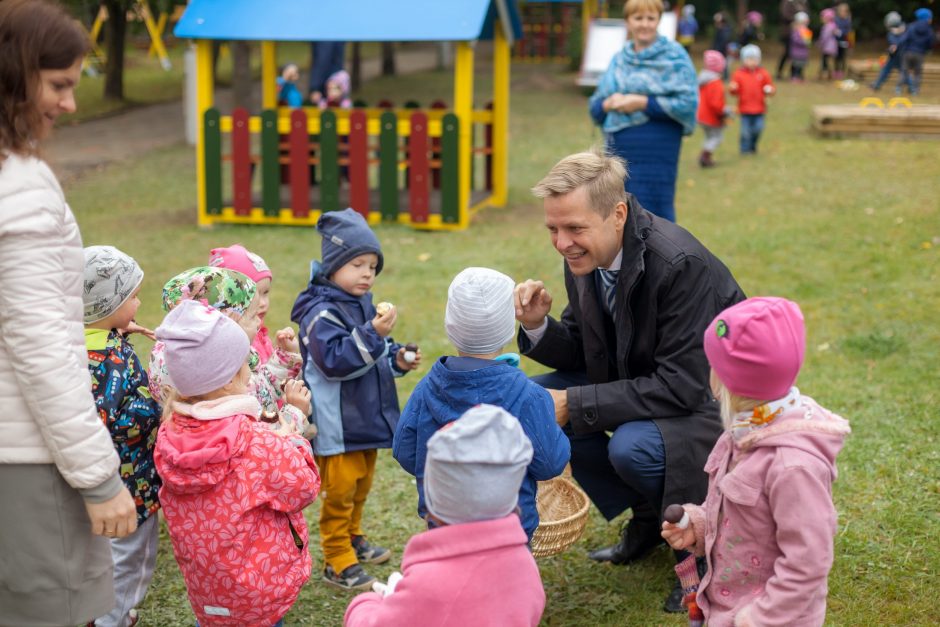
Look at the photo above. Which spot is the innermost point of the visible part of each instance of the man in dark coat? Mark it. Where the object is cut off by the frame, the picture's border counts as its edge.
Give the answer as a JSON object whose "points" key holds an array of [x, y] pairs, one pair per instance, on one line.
{"points": [[631, 382]]}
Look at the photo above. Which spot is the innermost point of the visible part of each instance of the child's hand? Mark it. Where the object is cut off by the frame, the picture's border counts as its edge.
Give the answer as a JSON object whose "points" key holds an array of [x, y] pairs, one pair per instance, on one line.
{"points": [[297, 394], [133, 327], [677, 537], [384, 324], [403, 364], [733, 86], [287, 340]]}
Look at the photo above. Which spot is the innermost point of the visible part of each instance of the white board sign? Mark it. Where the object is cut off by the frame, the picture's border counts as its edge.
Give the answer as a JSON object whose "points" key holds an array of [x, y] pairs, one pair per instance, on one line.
{"points": [[605, 38]]}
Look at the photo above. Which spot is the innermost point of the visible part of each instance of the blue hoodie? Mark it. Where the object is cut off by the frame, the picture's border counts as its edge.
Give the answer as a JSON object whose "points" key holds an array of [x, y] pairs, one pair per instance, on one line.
{"points": [[454, 385], [918, 38]]}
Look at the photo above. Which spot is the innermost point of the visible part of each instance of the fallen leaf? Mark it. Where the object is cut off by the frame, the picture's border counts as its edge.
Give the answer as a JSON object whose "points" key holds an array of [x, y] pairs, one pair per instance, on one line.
{"points": [[424, 257], [823, 347], [869, 211], [899, 220], [926, 245]]}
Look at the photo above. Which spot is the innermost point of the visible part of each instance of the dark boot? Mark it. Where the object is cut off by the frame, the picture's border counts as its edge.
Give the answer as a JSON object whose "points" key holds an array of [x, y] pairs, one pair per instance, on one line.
{"points": [[640, 536], [705, 159]]}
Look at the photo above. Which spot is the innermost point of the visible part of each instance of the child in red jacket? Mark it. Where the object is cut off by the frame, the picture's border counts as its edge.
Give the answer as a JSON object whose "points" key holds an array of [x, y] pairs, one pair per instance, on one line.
{"points": [[711, 105], [233, 490], [751, 83]]}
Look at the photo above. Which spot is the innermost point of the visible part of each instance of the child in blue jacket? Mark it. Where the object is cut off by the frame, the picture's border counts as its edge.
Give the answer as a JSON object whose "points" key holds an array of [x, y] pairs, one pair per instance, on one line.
{"points": [[480, 320], [350, 362]]}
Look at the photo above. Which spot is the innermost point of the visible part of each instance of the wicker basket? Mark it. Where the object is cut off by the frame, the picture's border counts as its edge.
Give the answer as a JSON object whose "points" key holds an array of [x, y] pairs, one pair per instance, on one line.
{"points": [[563, 514]]}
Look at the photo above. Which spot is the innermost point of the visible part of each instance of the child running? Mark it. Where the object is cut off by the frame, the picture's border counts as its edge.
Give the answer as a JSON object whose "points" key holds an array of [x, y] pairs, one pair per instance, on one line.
{"points": [[119, 384], [480, 320], [767, 525], [712, 113], [233, 490], [350, 362], [473, 568], [751, 83]]}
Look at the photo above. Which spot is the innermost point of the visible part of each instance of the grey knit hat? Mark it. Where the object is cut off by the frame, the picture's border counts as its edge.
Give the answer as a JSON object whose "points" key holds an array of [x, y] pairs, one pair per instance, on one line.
{"points": [[475, 466], [110, 278], [480, 317]]}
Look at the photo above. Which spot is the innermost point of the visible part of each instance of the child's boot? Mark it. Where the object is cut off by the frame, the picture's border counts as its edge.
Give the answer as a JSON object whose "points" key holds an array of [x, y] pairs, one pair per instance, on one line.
{"points": [[705, 159], [352, 578], [368, 553]]}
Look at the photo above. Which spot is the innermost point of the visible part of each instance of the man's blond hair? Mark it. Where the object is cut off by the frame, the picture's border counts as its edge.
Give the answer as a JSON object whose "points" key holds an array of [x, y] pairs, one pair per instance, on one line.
{"points": [[636, 6], [602, 175]]}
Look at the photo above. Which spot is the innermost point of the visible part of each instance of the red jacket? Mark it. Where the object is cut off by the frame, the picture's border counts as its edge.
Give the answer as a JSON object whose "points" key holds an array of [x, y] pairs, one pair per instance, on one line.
{"points": [[748, 86], [233, 494], [711, 103]]}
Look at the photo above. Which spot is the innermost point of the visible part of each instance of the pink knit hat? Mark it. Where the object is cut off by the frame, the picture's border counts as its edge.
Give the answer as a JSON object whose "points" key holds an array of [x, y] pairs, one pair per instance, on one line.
{"points": [[756, 347], [236, 258], [714, 61]]}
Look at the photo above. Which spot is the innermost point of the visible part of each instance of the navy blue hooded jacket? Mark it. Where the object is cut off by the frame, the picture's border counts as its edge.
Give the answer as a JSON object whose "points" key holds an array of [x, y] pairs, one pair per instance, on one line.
{"points": [[454, 385], [348, 366], [918, 38]]}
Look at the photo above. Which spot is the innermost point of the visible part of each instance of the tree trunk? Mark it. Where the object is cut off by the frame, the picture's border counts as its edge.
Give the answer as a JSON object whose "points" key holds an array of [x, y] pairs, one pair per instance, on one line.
{"points": [[388, 58], [355, 78], [241, 74], [116, 29], [742, 10]]}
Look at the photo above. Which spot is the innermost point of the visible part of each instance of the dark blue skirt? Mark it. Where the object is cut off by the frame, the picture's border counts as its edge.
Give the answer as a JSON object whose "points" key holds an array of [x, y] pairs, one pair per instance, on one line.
{"points": [[652, 154]]}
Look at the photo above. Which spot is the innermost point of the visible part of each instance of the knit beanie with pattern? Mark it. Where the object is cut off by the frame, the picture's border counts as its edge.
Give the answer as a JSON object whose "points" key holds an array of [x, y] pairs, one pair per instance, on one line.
{"points": [[110, 278]]}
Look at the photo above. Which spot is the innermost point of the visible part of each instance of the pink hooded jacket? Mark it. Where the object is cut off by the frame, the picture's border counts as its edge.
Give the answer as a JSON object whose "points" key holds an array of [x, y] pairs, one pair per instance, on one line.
{"points": [[478, 573], [232, 494], [767, 524]]}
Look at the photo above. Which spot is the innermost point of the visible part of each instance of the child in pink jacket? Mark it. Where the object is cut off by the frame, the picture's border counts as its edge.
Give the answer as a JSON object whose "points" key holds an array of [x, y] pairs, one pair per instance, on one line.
{"points": [[233, 490], [475, 568], [767, 525]]}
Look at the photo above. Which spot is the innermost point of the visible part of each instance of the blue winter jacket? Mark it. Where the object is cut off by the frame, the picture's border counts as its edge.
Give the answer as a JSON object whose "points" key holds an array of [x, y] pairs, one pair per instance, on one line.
{"points": [[918, 38], [454, 385], [348, 366]]}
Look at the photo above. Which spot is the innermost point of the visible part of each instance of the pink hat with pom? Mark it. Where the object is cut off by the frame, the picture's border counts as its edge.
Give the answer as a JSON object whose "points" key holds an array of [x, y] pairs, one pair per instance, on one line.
{"points": [[714, 61], [756, 347], [827, 15], [237, 258]]}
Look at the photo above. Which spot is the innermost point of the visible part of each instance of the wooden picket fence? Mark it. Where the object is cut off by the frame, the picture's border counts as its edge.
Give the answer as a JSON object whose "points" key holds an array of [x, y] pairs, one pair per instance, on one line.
{"points": [[286, 166]]}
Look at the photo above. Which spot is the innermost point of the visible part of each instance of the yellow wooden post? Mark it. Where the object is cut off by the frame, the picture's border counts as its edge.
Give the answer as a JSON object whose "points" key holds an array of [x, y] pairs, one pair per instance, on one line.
{"points": [[204, 96], [588, 11], [161, 28], [268, 75], [501, 64], [463, 109], [156, 38]]}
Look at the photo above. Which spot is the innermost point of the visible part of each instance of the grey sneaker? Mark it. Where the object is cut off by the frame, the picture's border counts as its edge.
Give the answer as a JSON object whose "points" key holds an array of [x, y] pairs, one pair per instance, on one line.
{"points": [[369, 553], [352, 578]]}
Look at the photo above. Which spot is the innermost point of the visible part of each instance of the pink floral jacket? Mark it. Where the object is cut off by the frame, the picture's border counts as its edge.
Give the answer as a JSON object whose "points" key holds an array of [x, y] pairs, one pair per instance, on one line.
{"points": [[233, 494]]}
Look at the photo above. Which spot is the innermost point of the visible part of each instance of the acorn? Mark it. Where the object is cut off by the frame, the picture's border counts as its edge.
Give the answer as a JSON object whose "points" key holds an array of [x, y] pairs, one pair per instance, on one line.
{"points": [[677, 515], [411, 352], [383, 308]]}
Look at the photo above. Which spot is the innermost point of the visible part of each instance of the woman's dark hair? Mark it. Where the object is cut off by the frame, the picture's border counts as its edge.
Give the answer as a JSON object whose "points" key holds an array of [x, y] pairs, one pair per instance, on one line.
{"points": [[34, 35]]}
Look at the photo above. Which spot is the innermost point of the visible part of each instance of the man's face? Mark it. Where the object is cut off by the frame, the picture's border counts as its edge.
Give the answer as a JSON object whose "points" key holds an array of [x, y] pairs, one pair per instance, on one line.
{"points": [[584, 238]]}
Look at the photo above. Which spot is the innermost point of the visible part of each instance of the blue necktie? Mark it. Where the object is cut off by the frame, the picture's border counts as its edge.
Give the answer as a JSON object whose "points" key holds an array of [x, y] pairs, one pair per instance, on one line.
{"points": [[609, 283]]}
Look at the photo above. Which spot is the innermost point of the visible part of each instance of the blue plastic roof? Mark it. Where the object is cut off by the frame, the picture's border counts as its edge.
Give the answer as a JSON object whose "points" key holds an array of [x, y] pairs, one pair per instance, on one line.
{"points": [[346, 20]]}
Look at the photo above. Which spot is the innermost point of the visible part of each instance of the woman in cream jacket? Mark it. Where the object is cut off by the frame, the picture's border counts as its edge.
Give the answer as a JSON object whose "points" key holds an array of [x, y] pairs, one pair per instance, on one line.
{"points": [[59, 482]]}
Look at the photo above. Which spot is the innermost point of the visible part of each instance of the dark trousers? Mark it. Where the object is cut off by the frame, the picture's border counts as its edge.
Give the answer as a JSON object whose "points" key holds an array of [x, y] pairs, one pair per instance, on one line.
{"points": [[620, 470]]}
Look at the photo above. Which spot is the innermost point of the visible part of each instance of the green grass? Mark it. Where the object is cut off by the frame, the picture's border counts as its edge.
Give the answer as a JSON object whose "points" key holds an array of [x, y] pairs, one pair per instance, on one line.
{"points": [[848, 228]]}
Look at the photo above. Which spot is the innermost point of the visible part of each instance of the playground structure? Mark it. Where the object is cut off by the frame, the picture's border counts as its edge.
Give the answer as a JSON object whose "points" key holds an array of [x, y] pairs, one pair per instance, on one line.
{"points": [[866, 71], [414, 165], [873, 118], [139, 11], [547, 27]]}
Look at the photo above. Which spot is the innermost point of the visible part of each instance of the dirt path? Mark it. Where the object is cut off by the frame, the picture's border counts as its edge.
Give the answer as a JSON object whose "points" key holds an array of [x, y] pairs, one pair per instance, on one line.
{"points": [[73, 150]]}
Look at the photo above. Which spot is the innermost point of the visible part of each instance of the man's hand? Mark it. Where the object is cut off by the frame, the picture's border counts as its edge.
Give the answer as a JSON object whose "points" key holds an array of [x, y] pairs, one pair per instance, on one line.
{"points": [[114, 518], [384, 324], [560, 397], [533, 302]]}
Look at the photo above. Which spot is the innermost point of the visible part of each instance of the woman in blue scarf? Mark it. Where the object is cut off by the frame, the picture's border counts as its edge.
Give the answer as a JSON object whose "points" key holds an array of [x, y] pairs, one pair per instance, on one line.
{"points": [[645, 103]]}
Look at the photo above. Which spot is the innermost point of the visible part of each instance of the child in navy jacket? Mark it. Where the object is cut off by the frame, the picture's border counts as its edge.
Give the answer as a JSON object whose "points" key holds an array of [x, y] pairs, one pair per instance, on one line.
{"points": [[480, 320], [350, 362]]}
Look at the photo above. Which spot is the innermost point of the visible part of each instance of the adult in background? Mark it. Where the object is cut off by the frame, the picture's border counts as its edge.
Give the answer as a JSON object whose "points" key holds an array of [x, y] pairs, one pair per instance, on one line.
{"points": [[788, 10], [628, 348], [645, 103], [59, 481], [326, 59]]}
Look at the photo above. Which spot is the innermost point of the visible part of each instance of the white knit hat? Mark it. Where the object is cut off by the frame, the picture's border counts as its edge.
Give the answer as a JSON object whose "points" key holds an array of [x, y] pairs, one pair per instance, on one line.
{"points": [[480, 316], [475, 466]]}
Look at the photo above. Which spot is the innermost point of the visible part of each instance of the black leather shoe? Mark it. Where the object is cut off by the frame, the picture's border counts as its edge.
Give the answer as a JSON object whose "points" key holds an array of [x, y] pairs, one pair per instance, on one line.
{"points": [[673, 603], [640, 536]]}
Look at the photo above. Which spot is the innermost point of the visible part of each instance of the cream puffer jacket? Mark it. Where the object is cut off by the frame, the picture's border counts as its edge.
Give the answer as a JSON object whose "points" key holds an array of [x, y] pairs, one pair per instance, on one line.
{"points": [[47, 413]]}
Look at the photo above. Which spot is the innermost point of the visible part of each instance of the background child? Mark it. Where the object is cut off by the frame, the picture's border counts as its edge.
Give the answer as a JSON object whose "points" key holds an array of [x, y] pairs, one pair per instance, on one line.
{"points": [[751, 31], [337, 91], [712, 113], [828, 43], [917, 41], [287, 93], [119, 384], [687, 27], [722, 36], [801, 37], [474, 568], [767, 532], [480, 321], [236, 296], [845, 35], [350, 363], [894, 26], [751, 83], [233, 491]]}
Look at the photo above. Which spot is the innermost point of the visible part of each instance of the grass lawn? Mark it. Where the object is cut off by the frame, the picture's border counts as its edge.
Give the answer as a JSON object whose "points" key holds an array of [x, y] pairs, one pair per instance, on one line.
{"points": [[850, 229]]}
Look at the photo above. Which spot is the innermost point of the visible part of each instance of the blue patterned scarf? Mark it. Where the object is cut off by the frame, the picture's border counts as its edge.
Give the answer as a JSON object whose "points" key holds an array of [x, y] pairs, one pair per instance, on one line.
{"points": [[662, 71]]}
